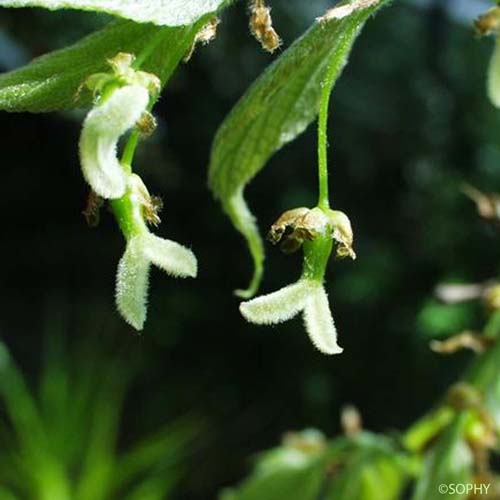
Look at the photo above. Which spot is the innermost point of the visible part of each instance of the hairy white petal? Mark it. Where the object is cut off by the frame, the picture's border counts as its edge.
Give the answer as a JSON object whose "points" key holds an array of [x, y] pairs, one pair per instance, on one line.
{"points": [[132, 281], [494, 75], [278, 306], [101, 131], [319, 322], [169, 256]]}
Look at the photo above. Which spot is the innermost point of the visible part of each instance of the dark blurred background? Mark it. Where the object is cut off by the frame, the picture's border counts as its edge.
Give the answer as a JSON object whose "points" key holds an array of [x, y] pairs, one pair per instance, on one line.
{"points": [[410, 123]]}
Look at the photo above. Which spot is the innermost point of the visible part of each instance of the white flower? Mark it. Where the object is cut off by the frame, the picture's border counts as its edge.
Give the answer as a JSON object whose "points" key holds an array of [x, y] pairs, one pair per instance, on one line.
{"points": [[305, 296], [102, 129], [133, 272]]}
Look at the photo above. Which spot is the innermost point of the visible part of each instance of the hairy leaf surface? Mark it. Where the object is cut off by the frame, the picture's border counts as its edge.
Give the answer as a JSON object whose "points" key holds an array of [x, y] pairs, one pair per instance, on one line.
{"points": [[54, 81], [160, 12], [278, 107]]}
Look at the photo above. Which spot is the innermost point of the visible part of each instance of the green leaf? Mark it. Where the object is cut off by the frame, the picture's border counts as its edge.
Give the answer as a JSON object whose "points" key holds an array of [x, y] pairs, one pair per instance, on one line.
{"points": [[278, 107], [160, 12], [449, 462], [369, 468], [366, 467], [54, 81]]}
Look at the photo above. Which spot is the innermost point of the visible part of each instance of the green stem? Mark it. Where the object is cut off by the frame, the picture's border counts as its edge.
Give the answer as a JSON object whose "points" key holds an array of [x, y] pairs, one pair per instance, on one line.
{"points": [[323, 199], [316, 255]]}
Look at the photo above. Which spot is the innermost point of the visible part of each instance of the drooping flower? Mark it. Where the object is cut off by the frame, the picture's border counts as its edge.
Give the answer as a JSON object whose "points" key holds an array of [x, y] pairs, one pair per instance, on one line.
{"points": [[102, 129], [121, 97], [306, 296], [133, 272], [316, 230]]}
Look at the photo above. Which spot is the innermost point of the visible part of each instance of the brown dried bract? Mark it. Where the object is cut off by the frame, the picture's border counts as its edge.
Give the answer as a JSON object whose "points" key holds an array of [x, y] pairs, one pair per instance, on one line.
{"points": [[261, 26], [204, 36], [304, 224], [465, 340]]}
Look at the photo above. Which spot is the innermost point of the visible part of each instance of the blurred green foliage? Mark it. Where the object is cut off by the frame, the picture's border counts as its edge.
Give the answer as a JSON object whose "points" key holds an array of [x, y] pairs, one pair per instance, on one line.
{"points": [[60, 440]]}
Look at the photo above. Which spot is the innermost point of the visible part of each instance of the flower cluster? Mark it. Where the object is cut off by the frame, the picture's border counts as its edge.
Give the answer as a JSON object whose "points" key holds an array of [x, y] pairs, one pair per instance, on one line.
{"points": [[122, 99]]}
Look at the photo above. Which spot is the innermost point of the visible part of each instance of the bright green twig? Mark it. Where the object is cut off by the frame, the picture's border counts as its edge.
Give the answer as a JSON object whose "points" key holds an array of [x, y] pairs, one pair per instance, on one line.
{"points": [[323, 199]]}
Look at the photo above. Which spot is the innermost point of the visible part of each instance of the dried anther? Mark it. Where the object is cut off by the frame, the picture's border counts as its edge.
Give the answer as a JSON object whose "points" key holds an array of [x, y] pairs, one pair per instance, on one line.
{"points": [[204, 36], [146, 124], [150, 205], [488, 23], [304, 224], [261, 26], [91, 212]]}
